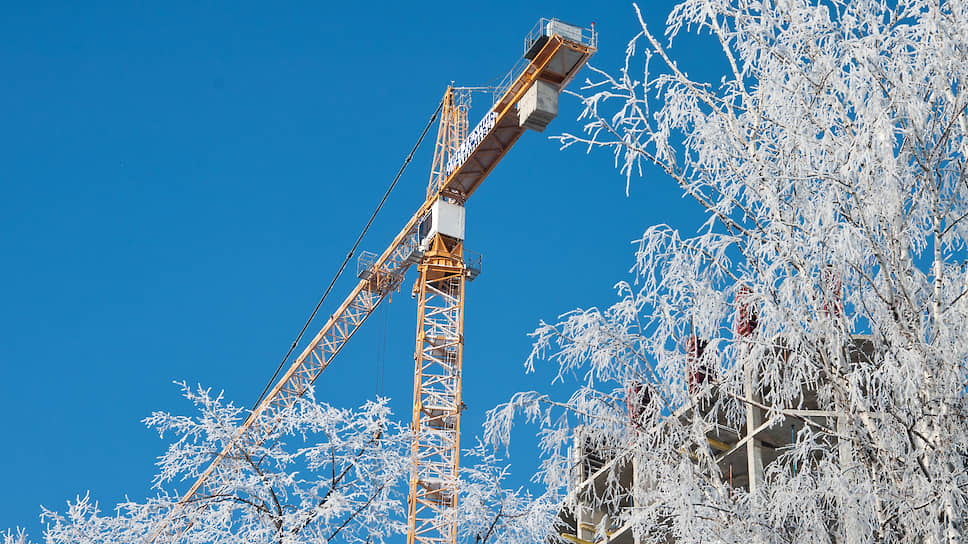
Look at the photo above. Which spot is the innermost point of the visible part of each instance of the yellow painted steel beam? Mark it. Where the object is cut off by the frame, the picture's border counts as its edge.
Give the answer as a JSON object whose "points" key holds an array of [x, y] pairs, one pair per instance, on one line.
{"points": [[460, 189], [438, 357], [719, 445], [573, 538], [453, 130]]}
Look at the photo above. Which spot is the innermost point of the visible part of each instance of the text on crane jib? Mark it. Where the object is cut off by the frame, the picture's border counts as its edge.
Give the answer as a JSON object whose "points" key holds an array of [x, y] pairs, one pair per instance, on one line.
{"points": [[472, 141]]}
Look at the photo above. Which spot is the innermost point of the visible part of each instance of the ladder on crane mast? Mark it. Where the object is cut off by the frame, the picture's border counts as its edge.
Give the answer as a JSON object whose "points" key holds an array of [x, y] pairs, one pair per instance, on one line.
{"points": [[527, 98]]}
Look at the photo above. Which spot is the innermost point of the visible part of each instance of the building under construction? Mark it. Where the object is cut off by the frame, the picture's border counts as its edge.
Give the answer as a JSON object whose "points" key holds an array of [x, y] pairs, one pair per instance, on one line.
{"points": [[741, 451]]}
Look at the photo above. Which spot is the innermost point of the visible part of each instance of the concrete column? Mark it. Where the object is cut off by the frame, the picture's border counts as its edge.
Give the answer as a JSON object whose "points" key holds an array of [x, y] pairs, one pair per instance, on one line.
{"points": [[852, 530], [754, 418]]}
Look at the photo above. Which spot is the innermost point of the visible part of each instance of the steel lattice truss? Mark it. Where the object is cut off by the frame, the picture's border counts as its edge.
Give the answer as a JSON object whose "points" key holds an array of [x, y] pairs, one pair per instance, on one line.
{"points": [[437, 400], [437, 406], [383, 276]]}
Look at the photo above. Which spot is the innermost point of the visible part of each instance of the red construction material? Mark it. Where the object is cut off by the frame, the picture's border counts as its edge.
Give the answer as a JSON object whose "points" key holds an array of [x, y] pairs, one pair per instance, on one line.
{"points": [[637, 399], [698, 369], [746, 319]]}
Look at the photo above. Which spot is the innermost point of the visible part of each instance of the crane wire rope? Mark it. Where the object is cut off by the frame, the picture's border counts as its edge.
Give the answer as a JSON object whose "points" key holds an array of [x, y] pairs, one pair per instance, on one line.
{"points": [[381, 350], [350, 254]]}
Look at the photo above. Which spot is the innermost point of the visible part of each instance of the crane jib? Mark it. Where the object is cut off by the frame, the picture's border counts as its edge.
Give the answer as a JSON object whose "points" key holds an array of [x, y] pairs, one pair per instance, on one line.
{"points": [[472, 141], [556, 51]]}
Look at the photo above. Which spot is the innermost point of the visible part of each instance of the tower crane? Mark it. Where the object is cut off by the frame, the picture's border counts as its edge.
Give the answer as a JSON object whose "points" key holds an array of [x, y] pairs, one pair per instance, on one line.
{"points": [[432, 240]]}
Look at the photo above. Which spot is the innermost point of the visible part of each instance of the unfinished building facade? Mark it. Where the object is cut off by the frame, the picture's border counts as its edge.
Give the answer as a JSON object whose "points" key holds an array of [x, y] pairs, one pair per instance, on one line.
{"points": [[605, 480]]}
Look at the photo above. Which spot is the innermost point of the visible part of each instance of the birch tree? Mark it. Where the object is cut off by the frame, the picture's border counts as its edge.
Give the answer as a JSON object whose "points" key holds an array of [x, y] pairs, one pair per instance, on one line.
{"points": [[18, 536], [323, 474], [830, 163]]}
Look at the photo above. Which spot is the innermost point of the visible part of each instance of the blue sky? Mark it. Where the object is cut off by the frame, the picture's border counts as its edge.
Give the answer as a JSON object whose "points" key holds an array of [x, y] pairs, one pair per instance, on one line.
{"points": [[181, 181]]}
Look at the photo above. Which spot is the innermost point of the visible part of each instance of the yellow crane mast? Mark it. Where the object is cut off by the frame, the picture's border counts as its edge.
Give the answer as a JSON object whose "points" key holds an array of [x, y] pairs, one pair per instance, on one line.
{"points": [[439, 351], [433, 240]]}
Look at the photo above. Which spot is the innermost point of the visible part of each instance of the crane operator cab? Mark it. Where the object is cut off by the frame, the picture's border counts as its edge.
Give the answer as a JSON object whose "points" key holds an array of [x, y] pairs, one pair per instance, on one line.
{"points": [[444, 218]]}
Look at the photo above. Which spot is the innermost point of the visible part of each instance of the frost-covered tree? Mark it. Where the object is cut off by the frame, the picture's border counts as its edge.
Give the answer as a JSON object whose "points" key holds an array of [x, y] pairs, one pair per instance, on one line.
{"points": [[830, 161], [490, 513], [323, 474], [14, 537]]}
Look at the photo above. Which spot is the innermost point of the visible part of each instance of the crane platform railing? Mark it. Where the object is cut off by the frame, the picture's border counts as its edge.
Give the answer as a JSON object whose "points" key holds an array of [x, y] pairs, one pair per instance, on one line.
{"points": [[533, 42]]}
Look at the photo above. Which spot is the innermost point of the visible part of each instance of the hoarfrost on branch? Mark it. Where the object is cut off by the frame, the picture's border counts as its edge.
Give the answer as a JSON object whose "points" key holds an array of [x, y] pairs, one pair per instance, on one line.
{"points": [[323, 473], [830, 161]]}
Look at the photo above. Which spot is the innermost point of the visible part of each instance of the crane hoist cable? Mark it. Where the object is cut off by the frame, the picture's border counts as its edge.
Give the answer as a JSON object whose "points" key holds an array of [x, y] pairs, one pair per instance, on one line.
{"points": [[381, 350], [349, 255]]}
